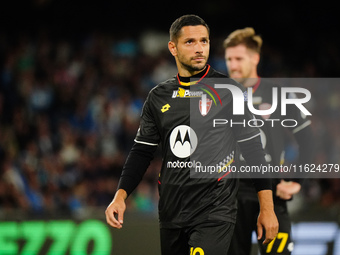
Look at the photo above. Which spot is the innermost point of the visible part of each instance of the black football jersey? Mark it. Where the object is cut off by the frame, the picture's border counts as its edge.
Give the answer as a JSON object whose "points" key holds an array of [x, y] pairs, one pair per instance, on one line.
{"points": [[180, 117], [273, 133]]}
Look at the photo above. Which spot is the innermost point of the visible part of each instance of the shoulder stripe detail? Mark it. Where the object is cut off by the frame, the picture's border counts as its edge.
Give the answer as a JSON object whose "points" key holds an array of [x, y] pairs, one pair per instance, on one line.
{"points": [[247, 139], [306, 124], [152, 144]]}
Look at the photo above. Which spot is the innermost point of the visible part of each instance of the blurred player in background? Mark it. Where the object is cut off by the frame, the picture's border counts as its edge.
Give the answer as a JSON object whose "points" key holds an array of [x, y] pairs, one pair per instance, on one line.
{"points": [[196, 215], [242, 56]]}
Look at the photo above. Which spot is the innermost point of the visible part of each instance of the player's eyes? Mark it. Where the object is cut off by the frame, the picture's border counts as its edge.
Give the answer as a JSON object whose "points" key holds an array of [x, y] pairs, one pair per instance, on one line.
{"points": [[204, 41]]}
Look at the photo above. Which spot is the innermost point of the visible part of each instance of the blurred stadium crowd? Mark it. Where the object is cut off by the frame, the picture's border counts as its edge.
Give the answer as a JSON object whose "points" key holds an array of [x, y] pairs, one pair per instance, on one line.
{"points": [[69, 110]]}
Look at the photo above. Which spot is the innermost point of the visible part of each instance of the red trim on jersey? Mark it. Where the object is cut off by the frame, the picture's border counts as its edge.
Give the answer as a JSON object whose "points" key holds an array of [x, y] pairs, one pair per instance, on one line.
{"points": [[257, 84], [214, 92], [206, 72], [224, 174]]}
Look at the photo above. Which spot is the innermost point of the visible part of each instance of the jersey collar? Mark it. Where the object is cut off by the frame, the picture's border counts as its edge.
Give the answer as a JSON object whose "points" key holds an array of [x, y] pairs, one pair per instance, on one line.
{"points": [[200, 75], [257, 84]]}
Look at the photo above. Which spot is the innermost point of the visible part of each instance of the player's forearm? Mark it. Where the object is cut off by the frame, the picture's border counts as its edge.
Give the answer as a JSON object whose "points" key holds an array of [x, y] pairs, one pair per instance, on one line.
{"points": [[121, 194], [266, 200], [135, 166], [267, 219]]}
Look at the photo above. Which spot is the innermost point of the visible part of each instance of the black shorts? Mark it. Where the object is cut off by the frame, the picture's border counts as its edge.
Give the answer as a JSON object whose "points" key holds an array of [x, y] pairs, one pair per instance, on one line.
{"points": [[210, 238], [247, 214]]}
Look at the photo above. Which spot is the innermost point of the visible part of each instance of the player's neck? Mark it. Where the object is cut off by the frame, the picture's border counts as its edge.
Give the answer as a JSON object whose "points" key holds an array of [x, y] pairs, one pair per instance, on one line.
{"points": [[196, 74], [251, 80], [183, 72]]}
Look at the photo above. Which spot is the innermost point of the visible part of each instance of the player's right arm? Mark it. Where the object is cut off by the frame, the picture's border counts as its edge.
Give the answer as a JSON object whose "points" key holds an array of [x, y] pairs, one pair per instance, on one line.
{"points": [[134, 169], [116, 208], [137, 162]]}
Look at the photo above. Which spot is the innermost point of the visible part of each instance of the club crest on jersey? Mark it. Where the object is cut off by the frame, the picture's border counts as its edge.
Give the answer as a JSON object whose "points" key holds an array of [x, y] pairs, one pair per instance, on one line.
{"points": [[205, 105]]}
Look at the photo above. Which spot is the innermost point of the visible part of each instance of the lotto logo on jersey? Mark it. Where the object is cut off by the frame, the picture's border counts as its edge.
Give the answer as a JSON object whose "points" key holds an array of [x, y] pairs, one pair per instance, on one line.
{"points": [[183, 141]]}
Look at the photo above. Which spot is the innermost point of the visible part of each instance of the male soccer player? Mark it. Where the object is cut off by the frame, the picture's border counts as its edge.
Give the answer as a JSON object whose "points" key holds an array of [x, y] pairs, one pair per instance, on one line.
{"points": [[242, 55], [196, 215]]}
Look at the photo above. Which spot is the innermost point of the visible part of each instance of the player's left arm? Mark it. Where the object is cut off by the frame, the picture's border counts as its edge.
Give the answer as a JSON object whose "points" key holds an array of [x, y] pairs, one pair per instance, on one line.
{"points": [[302, 132], [253, 153], [303, 135], [249, 141], [267, 219]]}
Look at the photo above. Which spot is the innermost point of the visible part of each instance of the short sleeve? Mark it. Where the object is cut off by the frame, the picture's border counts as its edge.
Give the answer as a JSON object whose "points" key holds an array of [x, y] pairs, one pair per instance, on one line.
{"points": [[148, 132]]}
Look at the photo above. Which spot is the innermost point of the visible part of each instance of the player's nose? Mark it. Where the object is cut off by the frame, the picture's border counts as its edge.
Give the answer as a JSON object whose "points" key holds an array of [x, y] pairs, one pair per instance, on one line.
{"points": [[232, 65], [199, 48]]}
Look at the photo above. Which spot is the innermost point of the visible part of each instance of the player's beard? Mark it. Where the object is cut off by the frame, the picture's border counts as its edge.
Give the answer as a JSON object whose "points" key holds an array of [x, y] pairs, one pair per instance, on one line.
{"points": [[240, 80], [245, 81], [193, 67], [244, 78]]}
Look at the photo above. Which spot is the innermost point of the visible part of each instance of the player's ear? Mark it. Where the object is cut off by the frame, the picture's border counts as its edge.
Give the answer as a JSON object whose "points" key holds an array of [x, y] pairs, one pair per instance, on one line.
{"points": [[256, 58], [172, 48]]}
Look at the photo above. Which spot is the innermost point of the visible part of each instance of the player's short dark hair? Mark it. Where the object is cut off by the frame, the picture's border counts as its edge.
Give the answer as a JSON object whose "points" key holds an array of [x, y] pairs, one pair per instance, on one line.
{"points": [[245, 36], [185, 20]]}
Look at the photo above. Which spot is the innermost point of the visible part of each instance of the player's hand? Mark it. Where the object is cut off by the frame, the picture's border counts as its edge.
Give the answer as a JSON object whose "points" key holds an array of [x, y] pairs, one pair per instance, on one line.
{"points": [[115, 211], [267, 220], [285, 190]]}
